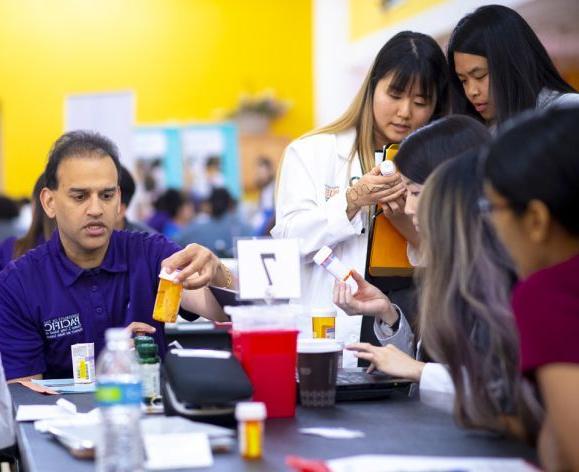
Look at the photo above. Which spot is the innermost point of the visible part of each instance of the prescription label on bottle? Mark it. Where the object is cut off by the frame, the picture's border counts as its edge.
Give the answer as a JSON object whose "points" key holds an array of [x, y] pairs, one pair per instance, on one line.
{"points": [[83, 366], [324, 323], [168, 298]]}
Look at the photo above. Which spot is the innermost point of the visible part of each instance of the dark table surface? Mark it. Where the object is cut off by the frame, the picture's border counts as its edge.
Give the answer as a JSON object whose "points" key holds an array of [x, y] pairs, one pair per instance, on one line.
{"points": [[397, 425]]}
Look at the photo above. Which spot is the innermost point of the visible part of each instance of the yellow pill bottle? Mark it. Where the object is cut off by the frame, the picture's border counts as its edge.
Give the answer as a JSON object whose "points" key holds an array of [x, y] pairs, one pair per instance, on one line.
{"points": [[250, 417], [168, 298], [324, 323]]}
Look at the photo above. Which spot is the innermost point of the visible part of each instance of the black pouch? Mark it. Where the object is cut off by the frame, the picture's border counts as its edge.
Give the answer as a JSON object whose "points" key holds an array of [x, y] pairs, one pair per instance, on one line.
{"points": [[204, 385]]}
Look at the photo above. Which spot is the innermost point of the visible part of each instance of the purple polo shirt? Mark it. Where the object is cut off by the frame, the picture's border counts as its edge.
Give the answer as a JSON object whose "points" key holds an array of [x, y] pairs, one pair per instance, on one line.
{"points": [[47, 303], [6, 251]]}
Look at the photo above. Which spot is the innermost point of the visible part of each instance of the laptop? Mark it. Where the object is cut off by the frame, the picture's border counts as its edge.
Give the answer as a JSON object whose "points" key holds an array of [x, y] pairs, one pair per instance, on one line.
{"points": [[356, 384]]}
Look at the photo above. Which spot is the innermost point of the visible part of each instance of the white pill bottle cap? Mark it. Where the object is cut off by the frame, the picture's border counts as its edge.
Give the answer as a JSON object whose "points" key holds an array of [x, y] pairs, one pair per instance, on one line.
{"points": [[387, 168]]}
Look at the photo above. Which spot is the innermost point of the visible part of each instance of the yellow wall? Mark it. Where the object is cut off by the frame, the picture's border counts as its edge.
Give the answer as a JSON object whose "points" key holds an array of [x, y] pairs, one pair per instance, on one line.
{"points": [[368, 16], [183, 59]]}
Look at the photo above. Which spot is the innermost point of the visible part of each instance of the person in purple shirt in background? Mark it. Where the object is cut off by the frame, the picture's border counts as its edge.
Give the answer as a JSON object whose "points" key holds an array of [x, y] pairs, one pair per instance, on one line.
{"points": [[41, 227], [88, 277], [532, 186]]}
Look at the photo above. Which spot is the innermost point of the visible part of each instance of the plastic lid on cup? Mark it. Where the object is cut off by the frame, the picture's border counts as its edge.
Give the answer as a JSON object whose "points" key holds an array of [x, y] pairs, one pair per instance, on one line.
{"points": [[315, 346], [250, 411], [324, 312], [322, 255]]}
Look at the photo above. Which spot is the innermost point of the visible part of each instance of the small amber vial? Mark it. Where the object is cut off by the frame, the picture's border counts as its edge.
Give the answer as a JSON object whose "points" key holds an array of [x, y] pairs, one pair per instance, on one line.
{"points": [[250, 417], [324, 323], [168, 298]]}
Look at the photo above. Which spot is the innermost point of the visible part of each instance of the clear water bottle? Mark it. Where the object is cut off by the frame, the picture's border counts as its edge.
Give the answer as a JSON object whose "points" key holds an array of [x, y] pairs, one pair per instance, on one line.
{"points": [[118, 396]]}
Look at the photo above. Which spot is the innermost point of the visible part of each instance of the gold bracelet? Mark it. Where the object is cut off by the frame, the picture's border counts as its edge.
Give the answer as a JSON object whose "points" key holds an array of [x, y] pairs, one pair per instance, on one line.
{"points": [[228, 275]]}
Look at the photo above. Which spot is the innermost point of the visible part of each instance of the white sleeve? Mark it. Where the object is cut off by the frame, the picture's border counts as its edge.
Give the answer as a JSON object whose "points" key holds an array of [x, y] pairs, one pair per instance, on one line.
{"points": [[436, 387], [566, 100], [403, 338], [301, 209], [6, 416]]}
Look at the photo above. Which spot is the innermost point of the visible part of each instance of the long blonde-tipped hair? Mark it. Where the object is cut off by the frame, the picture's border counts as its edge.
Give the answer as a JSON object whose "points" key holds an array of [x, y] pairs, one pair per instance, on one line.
{"points": [[410, 57], [465, 319]]}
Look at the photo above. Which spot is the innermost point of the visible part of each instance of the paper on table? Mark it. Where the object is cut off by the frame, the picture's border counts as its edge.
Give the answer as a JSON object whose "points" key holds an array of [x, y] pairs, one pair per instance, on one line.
{"points": [[65, 385], [177, 451], [384, 463], [333, 433], [40, 412]]}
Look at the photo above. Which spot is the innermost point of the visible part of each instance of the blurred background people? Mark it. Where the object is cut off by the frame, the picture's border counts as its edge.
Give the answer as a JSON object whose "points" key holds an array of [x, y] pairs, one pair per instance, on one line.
{"points": [[173, 210], [218, 228], [264, 181], [127, 193], [8, 217], [39, 231]]}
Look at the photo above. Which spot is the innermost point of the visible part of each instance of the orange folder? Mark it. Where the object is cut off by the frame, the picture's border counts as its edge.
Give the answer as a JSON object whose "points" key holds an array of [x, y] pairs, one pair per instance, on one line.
{"points": [[388, 256]]}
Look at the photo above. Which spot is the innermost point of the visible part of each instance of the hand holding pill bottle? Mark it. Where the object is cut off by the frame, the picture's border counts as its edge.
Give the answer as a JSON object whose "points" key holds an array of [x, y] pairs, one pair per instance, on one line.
{"points": [[326, 259], [168, 298]]}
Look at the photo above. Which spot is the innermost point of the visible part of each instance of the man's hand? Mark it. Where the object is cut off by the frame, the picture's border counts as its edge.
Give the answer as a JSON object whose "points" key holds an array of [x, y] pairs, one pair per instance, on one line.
{"points": [[368, 300], [388, 359], [199, 267], [137, 328]]}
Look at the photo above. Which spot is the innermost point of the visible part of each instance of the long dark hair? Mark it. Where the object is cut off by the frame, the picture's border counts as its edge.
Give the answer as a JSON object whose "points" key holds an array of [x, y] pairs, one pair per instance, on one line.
{"points": [[41, 226], [409, 56], [428, 147], [465, 318], [519, 66], [535, 158]]}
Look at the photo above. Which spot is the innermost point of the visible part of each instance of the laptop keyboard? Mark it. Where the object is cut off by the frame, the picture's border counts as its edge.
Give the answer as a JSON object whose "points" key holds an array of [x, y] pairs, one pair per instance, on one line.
{"points": [[359, 378]]}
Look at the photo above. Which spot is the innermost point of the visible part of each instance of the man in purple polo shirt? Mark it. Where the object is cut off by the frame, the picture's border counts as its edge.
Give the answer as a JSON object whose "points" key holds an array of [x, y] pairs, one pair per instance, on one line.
{"points": [[88, 277]]}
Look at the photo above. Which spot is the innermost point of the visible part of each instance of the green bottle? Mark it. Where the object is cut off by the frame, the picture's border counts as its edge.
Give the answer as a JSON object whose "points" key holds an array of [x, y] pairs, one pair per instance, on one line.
{"points": [[149, 361]]}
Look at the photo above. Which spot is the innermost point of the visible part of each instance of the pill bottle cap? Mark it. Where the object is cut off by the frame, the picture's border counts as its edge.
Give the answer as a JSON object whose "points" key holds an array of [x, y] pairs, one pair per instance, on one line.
{"points": [[387, 168], [323, 312], [148, 351], [322, 255], [165, 275], [250, 411], [117, 334]]}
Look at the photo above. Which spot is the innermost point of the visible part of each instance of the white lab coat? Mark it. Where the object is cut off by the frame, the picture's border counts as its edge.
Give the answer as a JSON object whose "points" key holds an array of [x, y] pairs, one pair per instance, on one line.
{"points": [[436, 387], [311, 206]]}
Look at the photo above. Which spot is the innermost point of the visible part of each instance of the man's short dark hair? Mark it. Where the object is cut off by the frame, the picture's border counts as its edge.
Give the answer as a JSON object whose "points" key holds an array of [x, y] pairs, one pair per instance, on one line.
{"points": [[79, 144], [127, 186]]}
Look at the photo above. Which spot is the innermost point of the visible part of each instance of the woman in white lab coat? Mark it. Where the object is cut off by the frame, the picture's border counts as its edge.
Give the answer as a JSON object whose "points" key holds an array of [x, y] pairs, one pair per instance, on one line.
{"points": [[329, 178], [419, 155], [465, 320]]}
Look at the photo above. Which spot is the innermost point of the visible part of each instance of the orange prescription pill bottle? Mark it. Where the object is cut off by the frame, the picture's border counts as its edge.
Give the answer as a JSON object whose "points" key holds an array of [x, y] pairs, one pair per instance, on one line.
{"points": [[326, 259], [250, 417], [324, 323], [168, 298]]}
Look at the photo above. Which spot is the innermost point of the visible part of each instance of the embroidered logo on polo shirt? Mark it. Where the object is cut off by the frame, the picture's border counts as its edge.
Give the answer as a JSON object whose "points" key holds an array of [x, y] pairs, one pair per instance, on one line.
{"points": [[62, 326]]}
